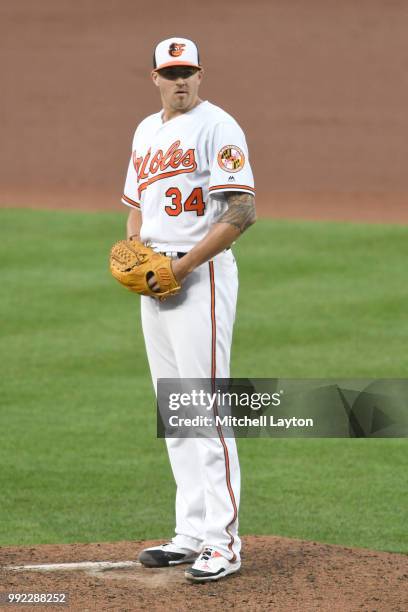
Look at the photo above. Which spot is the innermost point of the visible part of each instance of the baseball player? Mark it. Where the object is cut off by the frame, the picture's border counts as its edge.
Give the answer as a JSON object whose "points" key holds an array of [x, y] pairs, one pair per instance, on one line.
{"points": [[190, 189]]}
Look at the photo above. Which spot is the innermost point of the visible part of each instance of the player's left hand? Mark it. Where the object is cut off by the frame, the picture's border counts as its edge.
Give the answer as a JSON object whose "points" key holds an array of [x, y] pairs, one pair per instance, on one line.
{"points": [[139, 268], [179, 272], [153, 284]]}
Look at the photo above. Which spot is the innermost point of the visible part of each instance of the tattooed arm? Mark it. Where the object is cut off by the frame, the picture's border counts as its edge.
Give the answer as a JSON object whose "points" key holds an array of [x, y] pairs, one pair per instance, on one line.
{"points": [[241, 211], [229, 226]]}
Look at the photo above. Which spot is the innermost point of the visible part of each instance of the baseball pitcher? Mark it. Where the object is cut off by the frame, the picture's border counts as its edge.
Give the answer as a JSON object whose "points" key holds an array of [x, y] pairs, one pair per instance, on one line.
{"points": [[190, 191]]}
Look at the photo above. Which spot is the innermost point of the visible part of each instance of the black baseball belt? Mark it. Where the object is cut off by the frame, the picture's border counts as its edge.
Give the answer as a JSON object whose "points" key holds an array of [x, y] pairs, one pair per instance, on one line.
{"points": [[180, 254]]}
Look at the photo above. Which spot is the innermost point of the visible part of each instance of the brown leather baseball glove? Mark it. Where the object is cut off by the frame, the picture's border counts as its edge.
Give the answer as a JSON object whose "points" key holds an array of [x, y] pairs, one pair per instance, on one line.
{"points": [[133, 264]]}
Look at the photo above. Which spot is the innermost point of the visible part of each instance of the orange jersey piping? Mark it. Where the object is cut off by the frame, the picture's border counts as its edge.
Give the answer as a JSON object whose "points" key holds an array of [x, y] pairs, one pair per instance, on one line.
{"points": [[232, 187], [131, 202]]}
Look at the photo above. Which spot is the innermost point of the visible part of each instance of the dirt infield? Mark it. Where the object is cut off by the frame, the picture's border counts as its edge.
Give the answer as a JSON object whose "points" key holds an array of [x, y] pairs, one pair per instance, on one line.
{"points": [[320, 88], [277, 574]]}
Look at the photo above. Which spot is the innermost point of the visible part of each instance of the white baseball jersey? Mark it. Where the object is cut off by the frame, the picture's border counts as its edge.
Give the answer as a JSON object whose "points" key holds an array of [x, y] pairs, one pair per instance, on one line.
{"points": [[179, 171]]}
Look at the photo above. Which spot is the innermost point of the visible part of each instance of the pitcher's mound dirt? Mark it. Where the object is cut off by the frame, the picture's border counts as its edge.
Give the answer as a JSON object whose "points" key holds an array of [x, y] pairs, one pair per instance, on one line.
{"points": [[277, 574]]}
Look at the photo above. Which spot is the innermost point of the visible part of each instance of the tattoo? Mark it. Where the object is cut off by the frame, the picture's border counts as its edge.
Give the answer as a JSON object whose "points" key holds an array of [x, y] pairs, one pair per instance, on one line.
{"points": [[241, 210]]}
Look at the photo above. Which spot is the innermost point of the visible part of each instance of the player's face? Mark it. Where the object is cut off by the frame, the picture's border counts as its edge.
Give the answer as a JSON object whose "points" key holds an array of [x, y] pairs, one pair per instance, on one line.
{"points": [[178, 87]]}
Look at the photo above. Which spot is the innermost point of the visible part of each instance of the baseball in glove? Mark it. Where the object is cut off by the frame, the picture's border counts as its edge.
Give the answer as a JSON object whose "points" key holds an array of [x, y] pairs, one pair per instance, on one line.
{"points": [[133, 264]]}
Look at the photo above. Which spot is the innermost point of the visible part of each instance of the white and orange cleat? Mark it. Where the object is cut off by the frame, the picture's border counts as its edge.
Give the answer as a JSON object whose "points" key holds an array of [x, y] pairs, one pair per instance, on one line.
{"points": [[211, 565]]}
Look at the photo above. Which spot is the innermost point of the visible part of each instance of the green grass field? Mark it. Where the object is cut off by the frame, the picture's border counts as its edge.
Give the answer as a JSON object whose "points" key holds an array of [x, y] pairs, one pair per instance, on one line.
{"points": [[79, 457]]}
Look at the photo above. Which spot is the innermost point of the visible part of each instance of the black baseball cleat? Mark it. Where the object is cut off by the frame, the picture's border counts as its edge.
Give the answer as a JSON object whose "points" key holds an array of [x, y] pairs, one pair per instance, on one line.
{"points": [[166, 555]]}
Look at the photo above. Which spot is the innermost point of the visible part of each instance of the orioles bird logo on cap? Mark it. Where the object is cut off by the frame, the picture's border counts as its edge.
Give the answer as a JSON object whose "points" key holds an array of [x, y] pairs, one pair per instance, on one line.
{"points": [[176, 49]]}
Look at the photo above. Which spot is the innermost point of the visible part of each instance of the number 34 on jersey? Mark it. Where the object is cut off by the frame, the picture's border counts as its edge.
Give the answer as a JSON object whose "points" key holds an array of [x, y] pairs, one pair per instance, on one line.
{"points": [[180, 171], [194, 203]]}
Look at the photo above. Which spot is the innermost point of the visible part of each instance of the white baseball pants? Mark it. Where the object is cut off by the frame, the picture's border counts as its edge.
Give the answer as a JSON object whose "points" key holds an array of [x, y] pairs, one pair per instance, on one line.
{"points": [[189, 336]]}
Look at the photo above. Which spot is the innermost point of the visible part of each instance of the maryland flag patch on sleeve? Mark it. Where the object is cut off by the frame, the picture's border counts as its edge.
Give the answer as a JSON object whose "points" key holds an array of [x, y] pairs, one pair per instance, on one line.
{"points": [[231, 158]]}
